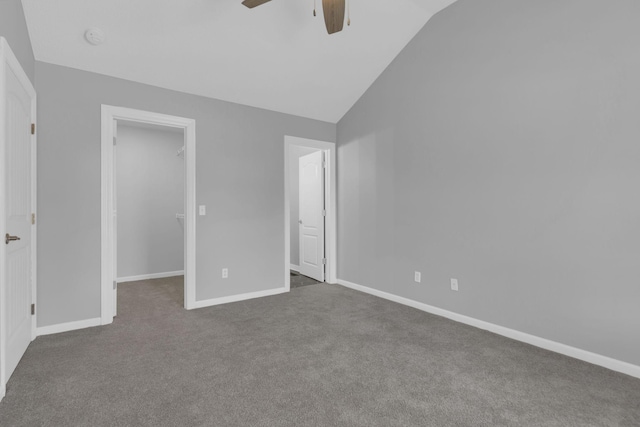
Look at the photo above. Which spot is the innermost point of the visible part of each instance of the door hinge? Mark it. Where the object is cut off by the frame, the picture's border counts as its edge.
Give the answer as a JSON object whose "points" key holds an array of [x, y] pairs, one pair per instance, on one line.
{"points": [[33, 309], [33, 128], [33, 218], [324, 261], [324, 212], [114, 140], [115, 285]]}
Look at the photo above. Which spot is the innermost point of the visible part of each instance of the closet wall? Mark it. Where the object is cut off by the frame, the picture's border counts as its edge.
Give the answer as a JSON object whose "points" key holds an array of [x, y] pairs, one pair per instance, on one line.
{"points": [[150, 192]]}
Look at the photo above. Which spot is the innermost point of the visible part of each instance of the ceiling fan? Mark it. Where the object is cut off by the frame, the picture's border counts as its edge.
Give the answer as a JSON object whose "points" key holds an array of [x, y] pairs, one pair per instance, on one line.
{"points": [[333, 13]]}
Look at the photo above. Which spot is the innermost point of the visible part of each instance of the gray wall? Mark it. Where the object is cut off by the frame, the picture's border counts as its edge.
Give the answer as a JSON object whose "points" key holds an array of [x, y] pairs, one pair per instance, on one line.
{"points": [[239, 176], [150, 192], [294, 199], [502, 148], [13, 27]]}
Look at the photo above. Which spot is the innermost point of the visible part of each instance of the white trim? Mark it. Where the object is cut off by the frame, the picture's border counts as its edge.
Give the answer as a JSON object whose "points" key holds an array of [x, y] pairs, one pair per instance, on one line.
{"points": [[576, 353], [150, 276], [69, 326], [330, 206], [189, 154], [109, 114], [7, 57], [240, 297], [294, 267]]}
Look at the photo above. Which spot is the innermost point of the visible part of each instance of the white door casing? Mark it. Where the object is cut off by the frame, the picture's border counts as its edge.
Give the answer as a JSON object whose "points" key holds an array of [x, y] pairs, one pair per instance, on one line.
{"points": [[115, 219], [17, 197], [330, 206], [311, 222], [111, 114]]}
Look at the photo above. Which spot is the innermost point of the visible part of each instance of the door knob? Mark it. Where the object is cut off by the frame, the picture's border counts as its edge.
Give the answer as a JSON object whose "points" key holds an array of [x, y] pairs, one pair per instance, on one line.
{"points": [[300, 221], [8, 238]]}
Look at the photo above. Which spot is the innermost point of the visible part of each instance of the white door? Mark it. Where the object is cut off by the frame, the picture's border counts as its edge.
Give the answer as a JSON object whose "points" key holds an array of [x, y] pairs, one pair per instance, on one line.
{"points": [[17, 98], [311, 222]]}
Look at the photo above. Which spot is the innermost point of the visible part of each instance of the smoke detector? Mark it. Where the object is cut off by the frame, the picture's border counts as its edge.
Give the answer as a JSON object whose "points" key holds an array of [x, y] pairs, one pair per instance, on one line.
{"points": [[94, 36]]}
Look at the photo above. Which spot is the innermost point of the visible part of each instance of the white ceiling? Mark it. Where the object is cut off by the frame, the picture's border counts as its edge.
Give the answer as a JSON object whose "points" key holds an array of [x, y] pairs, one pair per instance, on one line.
{"points": [[276, 56]]}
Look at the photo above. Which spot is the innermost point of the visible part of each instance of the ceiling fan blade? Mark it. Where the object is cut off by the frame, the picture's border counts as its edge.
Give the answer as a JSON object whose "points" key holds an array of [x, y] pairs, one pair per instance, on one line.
{"points": [[253, 3], [333, 15]]}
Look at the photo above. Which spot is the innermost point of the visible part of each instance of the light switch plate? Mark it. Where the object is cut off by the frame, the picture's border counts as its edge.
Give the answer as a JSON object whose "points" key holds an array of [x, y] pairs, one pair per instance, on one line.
{"points": [[454, 284], [202, 209]]}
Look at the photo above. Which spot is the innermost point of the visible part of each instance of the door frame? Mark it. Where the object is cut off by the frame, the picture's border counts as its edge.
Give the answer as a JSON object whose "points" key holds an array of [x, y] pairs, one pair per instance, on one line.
{"points": [[329, 148], [109, 114], [7, 57]]}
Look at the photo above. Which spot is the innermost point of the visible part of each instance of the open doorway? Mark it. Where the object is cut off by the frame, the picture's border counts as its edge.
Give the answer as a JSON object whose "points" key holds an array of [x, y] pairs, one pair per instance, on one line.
{"points": [[118, 122], [149, 205], [309, 212]]}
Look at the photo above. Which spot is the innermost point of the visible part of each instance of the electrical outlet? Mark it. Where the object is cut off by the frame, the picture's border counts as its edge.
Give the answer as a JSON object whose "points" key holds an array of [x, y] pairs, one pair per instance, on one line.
{"points": [[417, 276], [202, 210], [225, 273], [454, 284]]}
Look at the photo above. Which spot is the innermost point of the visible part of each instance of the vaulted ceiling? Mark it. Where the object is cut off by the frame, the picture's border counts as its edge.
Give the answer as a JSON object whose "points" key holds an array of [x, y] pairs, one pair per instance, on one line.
{"points": [[276, 56]]}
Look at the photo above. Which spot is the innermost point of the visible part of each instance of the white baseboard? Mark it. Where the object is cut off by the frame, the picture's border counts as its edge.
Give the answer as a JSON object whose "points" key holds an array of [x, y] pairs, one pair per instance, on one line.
{"points": [[294, 267], [576, 353], [69, 326], [150, 276], [241, 297]]}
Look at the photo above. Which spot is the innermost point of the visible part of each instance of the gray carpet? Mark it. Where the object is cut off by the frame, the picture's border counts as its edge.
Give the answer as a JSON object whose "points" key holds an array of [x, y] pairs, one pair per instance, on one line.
{"points": [[320, 355], [298, 280]]}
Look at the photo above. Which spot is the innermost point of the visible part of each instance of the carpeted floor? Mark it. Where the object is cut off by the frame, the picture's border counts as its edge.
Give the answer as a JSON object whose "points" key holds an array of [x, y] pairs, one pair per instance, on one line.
{"points": [[320, 355], [298, 280]]}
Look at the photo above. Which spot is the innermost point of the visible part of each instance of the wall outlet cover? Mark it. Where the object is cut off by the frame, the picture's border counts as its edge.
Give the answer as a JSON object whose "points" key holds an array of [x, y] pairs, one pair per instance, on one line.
{"points": [[454, 284], [417, 276]]}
